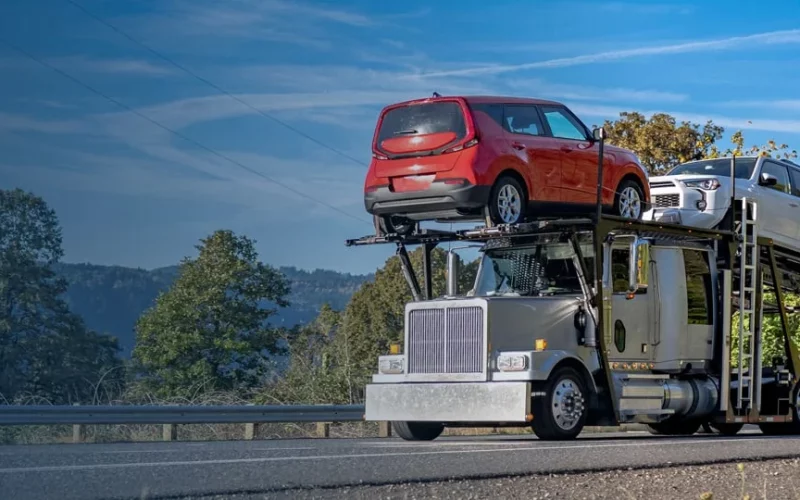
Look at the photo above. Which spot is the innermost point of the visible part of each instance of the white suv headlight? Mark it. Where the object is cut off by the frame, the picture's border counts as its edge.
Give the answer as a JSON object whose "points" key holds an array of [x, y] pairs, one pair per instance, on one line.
{"points": [[706, 184], [512, 362], [391, 365]]}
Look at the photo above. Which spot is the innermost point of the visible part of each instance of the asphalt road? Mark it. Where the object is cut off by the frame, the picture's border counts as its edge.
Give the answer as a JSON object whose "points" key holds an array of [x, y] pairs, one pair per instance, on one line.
{"points": [[153, 470]]}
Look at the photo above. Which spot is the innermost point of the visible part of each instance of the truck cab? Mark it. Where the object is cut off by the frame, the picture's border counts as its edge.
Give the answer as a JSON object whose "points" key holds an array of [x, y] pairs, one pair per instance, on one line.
{"points": [[521, 347]]}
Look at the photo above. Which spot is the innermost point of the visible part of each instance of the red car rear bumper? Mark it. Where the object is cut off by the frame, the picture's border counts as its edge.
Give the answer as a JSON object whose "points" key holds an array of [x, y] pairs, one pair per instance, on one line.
{"points": [[439, 201]]}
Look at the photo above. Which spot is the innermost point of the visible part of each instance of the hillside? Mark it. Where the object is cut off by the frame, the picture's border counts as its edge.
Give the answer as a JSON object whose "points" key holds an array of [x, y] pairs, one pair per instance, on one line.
{"points": [[111, 298]]}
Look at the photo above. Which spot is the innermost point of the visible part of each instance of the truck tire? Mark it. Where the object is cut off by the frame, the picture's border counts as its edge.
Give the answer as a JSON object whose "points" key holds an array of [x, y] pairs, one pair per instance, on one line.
{"points": [[727, 429], [671, 427], [561, 413], [418, 431]]}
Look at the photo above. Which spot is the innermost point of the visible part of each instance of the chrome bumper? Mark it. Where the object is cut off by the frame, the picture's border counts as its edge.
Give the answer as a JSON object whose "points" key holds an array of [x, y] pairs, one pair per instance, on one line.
{"points": [[449, 402]]}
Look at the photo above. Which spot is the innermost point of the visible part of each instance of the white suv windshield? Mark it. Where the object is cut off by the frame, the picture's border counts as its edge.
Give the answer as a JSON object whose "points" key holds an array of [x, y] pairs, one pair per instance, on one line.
{"points": [[720, 167]]}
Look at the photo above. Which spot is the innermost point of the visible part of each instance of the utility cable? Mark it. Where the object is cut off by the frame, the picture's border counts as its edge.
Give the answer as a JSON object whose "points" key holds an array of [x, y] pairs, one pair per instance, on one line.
{"points": [[172, 131]]}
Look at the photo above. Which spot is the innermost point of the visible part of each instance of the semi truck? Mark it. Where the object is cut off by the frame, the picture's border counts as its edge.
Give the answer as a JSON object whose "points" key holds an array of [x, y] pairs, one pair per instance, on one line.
{"points": [[594, 319]]}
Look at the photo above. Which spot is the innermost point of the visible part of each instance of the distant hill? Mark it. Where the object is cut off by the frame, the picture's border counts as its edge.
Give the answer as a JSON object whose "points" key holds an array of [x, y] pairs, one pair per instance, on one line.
{"points": [[111, 298]]}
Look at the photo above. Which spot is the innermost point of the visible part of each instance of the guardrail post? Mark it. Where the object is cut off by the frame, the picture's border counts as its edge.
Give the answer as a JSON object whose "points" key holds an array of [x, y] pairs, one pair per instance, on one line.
{"points": [[323, 429], [169, 432], [250, 431], [78, 431], [384, 429]]}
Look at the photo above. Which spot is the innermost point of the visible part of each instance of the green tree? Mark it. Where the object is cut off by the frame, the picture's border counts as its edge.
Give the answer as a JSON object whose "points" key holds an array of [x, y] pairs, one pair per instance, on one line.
{"points": [[660, 141], [375, 316], [210, 330], [319, 368], [333, 358], [45, 350]]}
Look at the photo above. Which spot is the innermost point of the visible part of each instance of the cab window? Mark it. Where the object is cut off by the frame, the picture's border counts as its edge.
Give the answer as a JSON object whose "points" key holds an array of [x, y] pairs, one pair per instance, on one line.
{"points": [[698, 287], [620, 264]]}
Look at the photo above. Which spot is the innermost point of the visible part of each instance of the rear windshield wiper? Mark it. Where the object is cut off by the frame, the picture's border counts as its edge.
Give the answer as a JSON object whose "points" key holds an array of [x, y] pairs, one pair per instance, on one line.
{"points": [[406, 132]]}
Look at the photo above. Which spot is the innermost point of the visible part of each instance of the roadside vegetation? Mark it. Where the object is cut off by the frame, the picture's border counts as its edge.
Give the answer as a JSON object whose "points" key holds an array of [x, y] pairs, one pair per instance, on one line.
{"points": [[210, 338]]}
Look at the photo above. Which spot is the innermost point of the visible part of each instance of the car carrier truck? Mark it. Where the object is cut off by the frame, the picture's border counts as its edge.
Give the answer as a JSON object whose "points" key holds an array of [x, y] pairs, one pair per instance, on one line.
{"points": [[593, 320]]}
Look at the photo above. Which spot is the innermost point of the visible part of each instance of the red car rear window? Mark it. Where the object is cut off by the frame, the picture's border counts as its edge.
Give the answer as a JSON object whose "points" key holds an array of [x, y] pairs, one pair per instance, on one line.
{"points": [[429, 125]]}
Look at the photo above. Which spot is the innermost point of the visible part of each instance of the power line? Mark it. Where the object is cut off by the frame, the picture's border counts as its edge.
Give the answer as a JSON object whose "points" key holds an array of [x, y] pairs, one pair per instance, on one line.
{"points": [[164, 127], [209, 83]]}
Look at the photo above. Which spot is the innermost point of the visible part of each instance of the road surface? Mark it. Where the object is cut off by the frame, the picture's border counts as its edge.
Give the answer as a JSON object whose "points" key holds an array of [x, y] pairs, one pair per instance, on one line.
{"points": [[152, 470]]}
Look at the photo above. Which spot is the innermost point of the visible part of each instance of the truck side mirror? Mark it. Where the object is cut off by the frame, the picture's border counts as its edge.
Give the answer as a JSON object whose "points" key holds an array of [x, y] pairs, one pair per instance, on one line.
{"points": [[452, 274], [637, 267]]}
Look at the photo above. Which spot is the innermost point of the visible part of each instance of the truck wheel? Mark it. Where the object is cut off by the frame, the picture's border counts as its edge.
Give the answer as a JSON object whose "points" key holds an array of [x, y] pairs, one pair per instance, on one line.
{"points": [[418, 431], [674, 428], [629, 201], [727, 429], [561, 413], [508, 202]]}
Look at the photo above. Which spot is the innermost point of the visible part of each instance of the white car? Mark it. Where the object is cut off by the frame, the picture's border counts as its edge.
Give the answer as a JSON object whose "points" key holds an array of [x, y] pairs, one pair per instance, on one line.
{"points": [[698, 193]]}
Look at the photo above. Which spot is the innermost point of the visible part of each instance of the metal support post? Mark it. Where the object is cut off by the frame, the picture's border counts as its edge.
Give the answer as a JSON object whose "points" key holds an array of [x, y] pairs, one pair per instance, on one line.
{"points": [[408, 272], [427, 273], [601, 137]]}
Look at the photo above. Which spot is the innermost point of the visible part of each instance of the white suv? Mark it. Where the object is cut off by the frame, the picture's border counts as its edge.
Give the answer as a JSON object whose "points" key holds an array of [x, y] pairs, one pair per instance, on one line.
{"points": [[698, 193]]}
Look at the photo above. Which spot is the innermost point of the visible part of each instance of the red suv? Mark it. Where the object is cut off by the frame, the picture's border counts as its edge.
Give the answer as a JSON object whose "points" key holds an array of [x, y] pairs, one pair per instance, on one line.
{"points": [[462, 158]]}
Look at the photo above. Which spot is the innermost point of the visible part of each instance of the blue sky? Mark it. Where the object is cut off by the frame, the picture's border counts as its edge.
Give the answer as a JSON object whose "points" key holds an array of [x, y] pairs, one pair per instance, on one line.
{"points": [[128, 192]]}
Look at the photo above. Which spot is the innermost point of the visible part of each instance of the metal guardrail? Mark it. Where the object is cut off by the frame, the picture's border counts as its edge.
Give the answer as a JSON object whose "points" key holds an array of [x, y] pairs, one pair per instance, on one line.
{"points": [[244, 414]]}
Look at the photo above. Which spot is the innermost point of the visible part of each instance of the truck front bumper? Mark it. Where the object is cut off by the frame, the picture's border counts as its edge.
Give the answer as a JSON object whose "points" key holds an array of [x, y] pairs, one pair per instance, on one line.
{"points": [[497, 402]]}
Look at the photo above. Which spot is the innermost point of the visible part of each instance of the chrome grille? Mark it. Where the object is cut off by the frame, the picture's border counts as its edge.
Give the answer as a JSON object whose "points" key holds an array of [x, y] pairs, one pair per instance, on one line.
{"points": [[666, 200], [446, 340]]}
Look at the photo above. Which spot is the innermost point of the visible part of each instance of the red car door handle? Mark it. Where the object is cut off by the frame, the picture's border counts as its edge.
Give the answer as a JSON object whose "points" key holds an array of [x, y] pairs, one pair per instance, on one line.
{"points": [[566, 149], [517, 145]]}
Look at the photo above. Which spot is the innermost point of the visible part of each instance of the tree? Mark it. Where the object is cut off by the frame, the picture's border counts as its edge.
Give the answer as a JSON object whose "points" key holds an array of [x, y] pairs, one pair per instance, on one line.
{"points": [[210, 330], [661, 143], [45, 350], [375, 316]]}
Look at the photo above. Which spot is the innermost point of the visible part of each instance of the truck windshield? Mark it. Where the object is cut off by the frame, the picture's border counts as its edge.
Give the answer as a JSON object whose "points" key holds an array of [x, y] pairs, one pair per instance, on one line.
{"points": [[537, 270], [720, 167]]}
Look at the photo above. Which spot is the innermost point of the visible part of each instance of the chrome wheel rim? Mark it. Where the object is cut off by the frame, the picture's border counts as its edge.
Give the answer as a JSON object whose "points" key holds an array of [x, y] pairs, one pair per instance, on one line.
{"points": [[567, 404], [630, 203], [509, 204]]}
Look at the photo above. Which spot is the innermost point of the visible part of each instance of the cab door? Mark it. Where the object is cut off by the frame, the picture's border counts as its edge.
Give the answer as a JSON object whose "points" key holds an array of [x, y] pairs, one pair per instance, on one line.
{"points": [[631, 325]]}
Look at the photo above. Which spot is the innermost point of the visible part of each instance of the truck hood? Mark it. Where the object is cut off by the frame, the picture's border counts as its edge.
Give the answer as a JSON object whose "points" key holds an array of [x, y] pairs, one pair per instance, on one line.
{"points": [[514, 323]]}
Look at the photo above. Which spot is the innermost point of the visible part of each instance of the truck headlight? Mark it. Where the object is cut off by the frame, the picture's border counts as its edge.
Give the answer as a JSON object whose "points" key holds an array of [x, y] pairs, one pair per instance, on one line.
{"points": [[707, 184], [512, 362], [390, 365]]}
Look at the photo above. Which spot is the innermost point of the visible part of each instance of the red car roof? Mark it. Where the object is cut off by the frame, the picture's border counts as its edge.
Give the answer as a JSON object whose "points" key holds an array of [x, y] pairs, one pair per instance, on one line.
{"points": [[481, 99]]}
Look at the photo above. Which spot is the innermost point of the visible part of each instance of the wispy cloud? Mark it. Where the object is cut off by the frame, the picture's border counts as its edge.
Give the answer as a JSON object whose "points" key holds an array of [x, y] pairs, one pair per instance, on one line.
{"points": [[773, 37], [777, 104], [282, 21], [646, 9], [114, 66], [728, 122], [546, 89]]}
